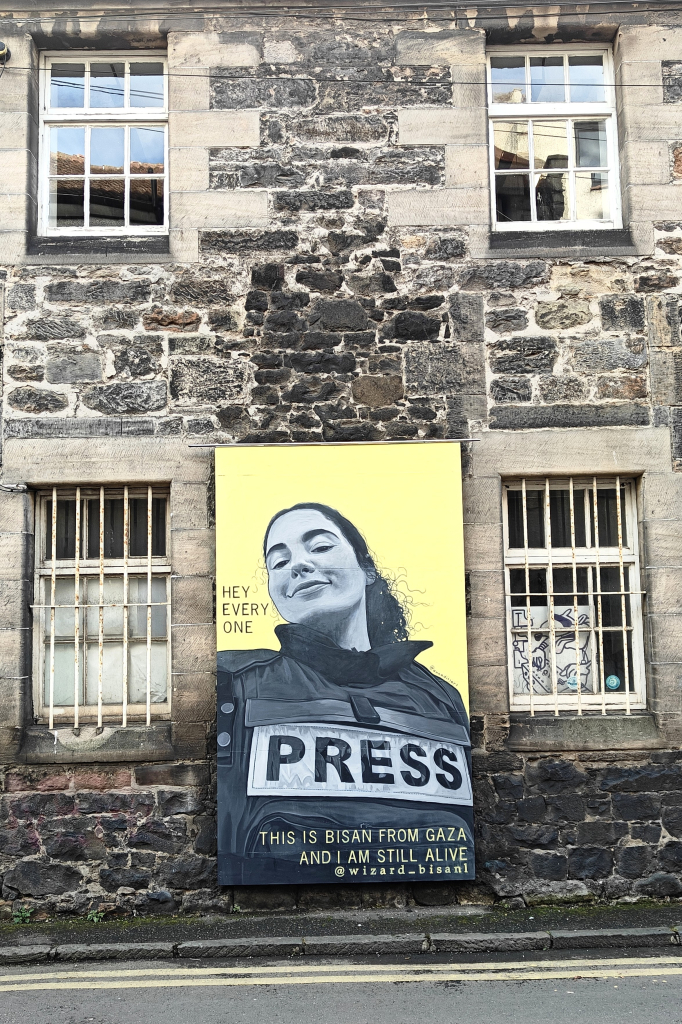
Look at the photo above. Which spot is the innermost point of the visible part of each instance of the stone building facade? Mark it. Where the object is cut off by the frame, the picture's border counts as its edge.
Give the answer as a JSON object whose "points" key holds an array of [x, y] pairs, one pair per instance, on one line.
{"points": [[330, 273]]}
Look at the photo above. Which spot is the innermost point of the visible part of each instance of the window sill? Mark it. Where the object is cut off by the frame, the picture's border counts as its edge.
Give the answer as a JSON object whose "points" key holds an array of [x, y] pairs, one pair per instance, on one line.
{"points": [[586, 732], [575, 243], [122, 249], [134, 743]]}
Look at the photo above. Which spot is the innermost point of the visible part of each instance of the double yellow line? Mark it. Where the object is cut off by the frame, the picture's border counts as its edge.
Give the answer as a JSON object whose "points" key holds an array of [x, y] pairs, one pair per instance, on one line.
{"points": [[207, 976]]}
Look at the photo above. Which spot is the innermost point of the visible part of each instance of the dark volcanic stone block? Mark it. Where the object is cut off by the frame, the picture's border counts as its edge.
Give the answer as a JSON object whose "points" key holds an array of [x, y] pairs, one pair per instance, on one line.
{"points": [[315, 199], [35, 878], [112, 399], [523, 355], [622, 312], [246, 242], [511, 389], [36, 400], [525, 417], [230, 93], [589, 862]]}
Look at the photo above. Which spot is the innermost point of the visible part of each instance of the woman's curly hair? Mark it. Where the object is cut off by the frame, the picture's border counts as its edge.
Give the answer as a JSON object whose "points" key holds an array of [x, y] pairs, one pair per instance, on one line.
{"points": [[386, 616]]}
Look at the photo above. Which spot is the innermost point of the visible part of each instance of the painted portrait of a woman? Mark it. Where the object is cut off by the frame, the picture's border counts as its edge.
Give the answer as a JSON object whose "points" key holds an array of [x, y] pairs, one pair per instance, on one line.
{"points": [[341, 757]]}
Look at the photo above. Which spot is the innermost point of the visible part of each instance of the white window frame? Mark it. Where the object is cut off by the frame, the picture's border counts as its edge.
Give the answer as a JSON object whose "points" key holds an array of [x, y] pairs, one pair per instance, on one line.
{"points": [[560, 112], [70, 117], [528, 558], [49, 569]]}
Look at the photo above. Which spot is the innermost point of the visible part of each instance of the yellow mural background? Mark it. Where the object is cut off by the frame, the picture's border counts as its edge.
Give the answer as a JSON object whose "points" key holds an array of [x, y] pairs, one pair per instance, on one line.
{"points": [[406, 500]]}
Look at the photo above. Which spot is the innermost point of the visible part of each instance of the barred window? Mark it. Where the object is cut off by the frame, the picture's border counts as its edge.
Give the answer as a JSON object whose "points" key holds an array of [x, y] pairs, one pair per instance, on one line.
{"points": [[103, 152], [553, 139], [102, 604], [573, 595]]}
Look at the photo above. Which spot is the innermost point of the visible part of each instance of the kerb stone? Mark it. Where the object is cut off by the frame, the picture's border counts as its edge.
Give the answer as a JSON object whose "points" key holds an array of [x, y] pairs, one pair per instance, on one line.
{"points": [[503, 942], [115, 951], [620, 938], [211, 948]]}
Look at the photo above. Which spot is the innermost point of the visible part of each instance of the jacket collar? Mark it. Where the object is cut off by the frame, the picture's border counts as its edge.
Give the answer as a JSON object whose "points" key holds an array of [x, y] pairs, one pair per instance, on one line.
{"points": [[318, 652]]}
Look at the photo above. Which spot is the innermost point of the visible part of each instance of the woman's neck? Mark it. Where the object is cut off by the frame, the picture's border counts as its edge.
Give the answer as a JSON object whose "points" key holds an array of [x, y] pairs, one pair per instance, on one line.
{"points": [[349, 632]]}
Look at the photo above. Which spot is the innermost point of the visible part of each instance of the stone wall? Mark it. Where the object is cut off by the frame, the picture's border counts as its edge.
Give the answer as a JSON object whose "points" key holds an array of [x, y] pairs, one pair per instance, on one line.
{"points": [[331, 277]]}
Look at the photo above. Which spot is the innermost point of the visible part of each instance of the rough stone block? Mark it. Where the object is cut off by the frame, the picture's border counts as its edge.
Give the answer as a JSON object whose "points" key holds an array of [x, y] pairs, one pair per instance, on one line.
{"points": [[36, 878], [443, 369], [113, 399], [206, 381], [522, 417], [72, 365], [214, 128]]}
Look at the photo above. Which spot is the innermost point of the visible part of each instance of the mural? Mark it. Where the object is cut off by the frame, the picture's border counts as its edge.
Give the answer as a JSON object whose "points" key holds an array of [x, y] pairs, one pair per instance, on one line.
{"points": [[343, 733]]}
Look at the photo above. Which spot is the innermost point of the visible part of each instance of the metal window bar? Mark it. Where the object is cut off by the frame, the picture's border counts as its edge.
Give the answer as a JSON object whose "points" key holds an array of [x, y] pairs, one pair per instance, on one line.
{"points": [[76, 611], [550, 587], [53, 594], [623, 613], [149, 605], [576, 623], [531, 682], [81, 539], [602, 673], [100, 633], [596, 629], [124, 673]]}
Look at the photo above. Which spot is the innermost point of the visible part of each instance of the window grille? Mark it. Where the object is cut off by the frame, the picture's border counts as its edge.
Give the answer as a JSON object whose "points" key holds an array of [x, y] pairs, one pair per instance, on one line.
{"points": [[553, 139], [573, 595], [102, 604], [103, 155]]}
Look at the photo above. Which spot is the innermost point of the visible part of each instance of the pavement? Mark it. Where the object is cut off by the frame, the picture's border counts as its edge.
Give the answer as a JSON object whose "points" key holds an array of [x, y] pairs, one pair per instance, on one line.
{"points": [[393, 932], [532, 988]]}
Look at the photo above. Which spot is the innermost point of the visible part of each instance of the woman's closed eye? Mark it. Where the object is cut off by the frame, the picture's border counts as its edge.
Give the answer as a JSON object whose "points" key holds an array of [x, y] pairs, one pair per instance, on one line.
{"points": [[281, 563], [319, 549]]}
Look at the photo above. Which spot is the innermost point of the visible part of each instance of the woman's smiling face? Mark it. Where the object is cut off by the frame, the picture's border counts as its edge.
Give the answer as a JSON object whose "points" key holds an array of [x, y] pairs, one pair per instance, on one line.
{"points": [[313, 572]]}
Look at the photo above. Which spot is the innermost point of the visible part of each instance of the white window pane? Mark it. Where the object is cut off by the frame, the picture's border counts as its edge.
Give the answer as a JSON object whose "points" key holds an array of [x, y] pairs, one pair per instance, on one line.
{"points": [[550, 142], [112, 673], [64, 672], [146, 85], [107, 202], [551, 197], [107, 84], [106, 150], [508, 77], [147, 151], [511, 145], [67, 150], [512, 198], [564, 646], [547, 80], [586, 78], [112, 594], [592, 199], [64, 617], [137, 673], [137, 620], [66, 203], [67, 85], [591, 149]]}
